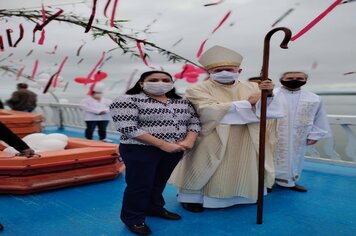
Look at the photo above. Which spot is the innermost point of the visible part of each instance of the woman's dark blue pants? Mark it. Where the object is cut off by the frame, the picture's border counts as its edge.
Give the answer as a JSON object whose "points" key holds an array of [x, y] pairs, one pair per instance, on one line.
{"points": [[147, 171]]}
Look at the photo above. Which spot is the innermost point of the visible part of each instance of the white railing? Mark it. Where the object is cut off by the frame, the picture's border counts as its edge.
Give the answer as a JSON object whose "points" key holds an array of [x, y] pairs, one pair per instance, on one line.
{"points": [[341, 149]]}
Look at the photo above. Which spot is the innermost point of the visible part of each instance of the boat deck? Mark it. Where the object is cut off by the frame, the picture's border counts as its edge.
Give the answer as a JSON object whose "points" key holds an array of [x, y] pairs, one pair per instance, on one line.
{"points": [[328, 208]]}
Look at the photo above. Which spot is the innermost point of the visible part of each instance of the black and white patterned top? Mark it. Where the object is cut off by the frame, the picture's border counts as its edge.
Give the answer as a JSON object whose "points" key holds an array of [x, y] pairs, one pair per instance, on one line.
{"points": [[135, 115]]}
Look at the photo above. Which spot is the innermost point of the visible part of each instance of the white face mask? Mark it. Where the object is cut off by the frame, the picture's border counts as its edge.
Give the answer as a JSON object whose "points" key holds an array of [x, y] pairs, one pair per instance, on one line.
{"points": [[157, 88], [225, 76], [97, 95]]}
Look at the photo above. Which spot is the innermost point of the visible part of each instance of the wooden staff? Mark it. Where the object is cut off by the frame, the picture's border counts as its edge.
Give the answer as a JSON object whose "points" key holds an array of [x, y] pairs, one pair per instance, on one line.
{"points": [[264, 75]]}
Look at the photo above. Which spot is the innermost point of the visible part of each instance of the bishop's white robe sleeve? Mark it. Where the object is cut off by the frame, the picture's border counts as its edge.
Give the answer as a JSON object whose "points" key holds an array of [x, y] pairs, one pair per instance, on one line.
{"points": [[241, 112]]}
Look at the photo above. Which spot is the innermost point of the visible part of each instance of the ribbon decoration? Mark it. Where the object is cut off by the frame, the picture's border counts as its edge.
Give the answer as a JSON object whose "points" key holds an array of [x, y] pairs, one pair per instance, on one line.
{"points": [[34, 70], [190, 73], [56, 75], [92, 15], [201, 48], [54, 50], [213, 4], [350, 73], [176, 43], [39, 27], [19, 73], [316, 20], [9, 40], [80, 48], [1, 44], [10, 55], [143, 55], [282, 17], [113, 13], [106, 7]]}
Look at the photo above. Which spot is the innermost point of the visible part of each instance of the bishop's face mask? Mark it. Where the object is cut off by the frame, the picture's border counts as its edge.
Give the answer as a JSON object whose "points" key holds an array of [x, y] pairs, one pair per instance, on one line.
{"points": [[157, 88], [293, 84], [225, 76]]}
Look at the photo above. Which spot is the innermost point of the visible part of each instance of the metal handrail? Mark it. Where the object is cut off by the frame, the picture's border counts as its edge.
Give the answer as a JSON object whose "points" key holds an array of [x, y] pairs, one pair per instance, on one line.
{"points": [[340, 149]]}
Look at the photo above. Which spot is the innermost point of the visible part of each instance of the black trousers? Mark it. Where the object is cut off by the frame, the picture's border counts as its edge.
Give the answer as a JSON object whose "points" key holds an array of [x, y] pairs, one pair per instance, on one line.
{"points": [[147, 172], [102, 124]]}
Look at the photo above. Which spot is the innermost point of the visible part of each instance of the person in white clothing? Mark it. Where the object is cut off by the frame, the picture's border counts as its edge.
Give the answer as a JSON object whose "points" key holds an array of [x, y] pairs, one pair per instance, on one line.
{"points": [[96, 110], [304, 124]]}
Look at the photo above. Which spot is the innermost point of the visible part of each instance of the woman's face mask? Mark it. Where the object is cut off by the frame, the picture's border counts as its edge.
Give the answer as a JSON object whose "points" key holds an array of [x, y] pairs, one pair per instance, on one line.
{"points": [[97, 95], [157, 88], [225, 76]]}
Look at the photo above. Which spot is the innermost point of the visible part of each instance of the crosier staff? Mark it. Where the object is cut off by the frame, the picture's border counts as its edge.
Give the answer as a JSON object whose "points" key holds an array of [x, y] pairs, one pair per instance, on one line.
{"points": [[264, 75]]}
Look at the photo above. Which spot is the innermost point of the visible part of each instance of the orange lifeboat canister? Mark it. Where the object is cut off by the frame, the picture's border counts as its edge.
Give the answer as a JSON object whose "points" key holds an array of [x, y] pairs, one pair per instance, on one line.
{"points": [[83, 161]]}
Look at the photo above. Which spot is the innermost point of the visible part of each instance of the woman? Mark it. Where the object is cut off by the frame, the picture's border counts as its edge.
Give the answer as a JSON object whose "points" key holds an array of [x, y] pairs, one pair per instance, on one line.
{"points": [[157, 126], [96, 110]]}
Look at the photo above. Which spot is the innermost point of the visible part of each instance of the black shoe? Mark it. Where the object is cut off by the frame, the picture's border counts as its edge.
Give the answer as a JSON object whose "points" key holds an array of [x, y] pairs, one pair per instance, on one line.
{"points": [[167, 215], [1, 227], [140, 229], [269, 190], [299, 188], [193, 207]]}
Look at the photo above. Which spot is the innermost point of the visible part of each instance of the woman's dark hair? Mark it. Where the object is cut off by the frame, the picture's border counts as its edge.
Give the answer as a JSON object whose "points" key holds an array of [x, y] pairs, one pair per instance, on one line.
{"points": [[136, 89]]}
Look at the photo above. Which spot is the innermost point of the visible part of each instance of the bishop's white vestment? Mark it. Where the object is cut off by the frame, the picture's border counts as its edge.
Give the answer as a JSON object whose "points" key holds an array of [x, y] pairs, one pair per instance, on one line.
{"points": [[222, 168]]}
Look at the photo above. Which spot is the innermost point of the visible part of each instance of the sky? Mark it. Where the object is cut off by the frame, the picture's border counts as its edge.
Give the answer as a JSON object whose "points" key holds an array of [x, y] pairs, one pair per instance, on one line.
{"points": [[325, 52]]}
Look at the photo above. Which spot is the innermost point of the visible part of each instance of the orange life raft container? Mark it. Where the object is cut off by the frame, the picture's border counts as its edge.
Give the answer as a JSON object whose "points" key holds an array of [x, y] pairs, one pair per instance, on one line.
{"points": [[83, 161], [21, 123]]}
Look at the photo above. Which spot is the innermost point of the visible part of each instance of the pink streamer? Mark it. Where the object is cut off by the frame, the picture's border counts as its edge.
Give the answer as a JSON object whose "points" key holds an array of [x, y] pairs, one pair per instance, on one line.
{"points": [[19, 73], [213, 4], [21, 35], [143, 55], [316, 20], [106, 7], [1, 44], [92, 15], [201, 48], [55, 80], [34, 70], [113, 13], [8, 32]]}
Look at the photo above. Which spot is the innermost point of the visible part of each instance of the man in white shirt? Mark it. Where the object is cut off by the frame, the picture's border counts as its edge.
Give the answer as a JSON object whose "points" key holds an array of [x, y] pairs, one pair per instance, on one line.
{"points": [[304, 124], [96, 110]]}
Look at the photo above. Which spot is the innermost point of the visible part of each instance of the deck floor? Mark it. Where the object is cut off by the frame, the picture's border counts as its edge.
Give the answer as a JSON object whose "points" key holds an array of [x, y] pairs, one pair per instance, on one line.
{"points": [[328, 208]]}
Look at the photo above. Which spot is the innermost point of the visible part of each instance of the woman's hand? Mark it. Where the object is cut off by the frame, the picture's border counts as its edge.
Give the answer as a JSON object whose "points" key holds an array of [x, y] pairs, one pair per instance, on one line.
{"points": [[186, 144], [172, 147]]}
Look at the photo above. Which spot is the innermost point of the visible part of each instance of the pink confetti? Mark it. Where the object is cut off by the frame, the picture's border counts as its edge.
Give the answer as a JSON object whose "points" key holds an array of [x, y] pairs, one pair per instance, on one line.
{"points": [[316, 20], [34, 70], [29, 53], [43, 36], [92, 15], [201, 48], [113, 13]]}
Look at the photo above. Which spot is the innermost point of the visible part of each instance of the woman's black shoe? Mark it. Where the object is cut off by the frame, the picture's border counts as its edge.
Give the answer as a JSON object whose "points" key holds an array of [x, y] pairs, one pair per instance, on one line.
{"points": [[140, 229], [167, 215], [193, 207], [1, 227]]}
